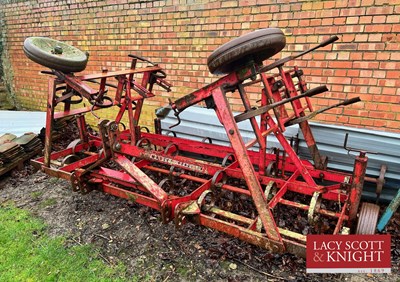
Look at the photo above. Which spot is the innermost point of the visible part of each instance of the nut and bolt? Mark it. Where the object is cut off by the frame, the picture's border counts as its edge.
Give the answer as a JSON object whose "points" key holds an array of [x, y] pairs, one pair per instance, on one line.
{"points": [[117, 147]]}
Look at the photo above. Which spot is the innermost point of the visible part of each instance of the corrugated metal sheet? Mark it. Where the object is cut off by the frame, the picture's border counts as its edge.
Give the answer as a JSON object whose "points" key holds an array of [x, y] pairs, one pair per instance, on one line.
{"points": [[198, 122], [20, 122]]}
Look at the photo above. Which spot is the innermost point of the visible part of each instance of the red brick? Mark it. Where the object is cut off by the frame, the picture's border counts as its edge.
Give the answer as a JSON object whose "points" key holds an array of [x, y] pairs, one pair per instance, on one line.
{"points": [[393, 19], [329, 4], [382, 56], [371, 46], [369, 55], [375, 37], [381, 115], [336, 21], [351, 29], [390, 91], [340, 64], [365, 19], [341, 72], [379, 19], [378, 28], [366, 65], [396, 28], [389, 65], [347, 38], [341, 3], [393, 74], [384, 2], [361, 37], [394, 125], [352, 11], [353, 73], [352, 20], [391, 37], [386, 10]]}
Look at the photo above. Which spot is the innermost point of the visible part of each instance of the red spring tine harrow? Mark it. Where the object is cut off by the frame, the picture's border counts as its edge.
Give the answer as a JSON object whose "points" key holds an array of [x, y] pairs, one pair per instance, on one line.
{"points": [[232, 189]]}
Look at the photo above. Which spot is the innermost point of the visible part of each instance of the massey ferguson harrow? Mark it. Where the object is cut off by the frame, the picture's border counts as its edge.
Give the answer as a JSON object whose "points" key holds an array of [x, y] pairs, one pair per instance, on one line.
{"points": [[239, 189]]}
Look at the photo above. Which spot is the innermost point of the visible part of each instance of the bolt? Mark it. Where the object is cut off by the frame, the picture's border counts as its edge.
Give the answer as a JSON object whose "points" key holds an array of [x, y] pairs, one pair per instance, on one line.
{"points": [[117, 147], [113, 127], [231, 131], [58, 50], [275, 248]]}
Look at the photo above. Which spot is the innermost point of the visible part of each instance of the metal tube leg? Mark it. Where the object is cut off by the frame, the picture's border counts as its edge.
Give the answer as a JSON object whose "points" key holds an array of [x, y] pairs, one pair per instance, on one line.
{"points": [[224, 113], [81, 122], [320, 162], [360, 167], [49, 121]]}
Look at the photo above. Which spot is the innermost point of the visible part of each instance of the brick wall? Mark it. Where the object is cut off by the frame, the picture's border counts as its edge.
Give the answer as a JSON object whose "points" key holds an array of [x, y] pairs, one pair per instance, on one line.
{"points": [[181, 34]]}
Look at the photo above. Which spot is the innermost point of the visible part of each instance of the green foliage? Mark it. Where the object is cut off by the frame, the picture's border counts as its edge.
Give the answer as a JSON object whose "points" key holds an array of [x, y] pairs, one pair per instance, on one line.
{"points": [[37, 194], [28, 254], [48, 202]]}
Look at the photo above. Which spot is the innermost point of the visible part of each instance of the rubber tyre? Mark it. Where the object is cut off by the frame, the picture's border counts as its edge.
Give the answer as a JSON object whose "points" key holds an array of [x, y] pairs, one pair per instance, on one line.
{"points": [[367, 219], [258, 45], [40, 50]]}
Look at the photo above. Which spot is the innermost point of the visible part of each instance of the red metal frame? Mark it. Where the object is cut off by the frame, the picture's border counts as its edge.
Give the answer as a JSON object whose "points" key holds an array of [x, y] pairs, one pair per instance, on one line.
{"points": [[138, 155]]}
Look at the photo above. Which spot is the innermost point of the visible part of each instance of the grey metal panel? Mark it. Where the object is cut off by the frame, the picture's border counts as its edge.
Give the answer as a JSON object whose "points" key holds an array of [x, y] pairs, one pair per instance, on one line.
{"points": [[20, 122], [330, 140], [198, 122]]}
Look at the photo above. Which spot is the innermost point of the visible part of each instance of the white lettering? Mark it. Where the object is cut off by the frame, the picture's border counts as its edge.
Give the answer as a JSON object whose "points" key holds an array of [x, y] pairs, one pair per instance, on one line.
{"points": [[330, 257], [173, 162]]}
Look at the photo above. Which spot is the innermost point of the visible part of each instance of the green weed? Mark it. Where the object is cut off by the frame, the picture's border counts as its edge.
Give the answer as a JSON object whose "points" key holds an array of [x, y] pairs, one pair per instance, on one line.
{"points": [[47, 203]]}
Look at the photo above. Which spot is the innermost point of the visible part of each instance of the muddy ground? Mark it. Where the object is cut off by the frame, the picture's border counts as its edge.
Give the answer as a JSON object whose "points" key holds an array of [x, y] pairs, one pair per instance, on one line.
{"points": [[124, 231]]}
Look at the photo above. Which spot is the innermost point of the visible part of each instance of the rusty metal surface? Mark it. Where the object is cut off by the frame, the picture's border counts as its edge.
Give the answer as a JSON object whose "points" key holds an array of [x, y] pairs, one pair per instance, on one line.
{"points": [[141, 177]]}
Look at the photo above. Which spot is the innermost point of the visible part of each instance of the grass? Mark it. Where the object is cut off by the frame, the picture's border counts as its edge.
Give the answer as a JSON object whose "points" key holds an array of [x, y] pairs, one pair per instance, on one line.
{"points": [[28, 254], [47, 203], [36, 195]]}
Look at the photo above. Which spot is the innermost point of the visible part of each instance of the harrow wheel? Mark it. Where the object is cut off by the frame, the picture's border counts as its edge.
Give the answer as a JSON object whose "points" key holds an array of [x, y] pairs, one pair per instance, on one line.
{"points": [[367, 219], [315, 205], [55, 54], [69, 159], [255, 46]]}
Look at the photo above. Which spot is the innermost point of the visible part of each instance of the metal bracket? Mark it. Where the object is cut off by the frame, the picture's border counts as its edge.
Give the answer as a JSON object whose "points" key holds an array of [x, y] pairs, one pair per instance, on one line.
{"points": [[351, 149]]}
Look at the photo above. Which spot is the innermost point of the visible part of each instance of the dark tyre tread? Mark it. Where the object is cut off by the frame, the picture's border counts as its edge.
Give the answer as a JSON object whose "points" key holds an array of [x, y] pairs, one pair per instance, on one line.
{"points": [[258, 45], [40, 50]]}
